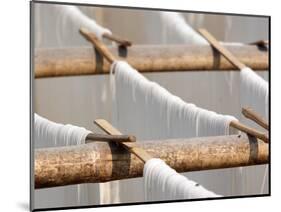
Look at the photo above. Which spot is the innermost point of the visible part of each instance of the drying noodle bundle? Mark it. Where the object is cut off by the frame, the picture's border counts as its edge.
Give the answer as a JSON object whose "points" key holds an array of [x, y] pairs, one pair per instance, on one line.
{"points": [[254, 91], [161, 182], [175, 22], [79, 19], [54, 134], [156, 112], [254, 94]]}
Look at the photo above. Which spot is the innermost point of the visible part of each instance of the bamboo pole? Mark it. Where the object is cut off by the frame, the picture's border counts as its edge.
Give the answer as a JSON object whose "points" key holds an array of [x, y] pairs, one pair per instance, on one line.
{"points": [[101, 162], [145, 58]]}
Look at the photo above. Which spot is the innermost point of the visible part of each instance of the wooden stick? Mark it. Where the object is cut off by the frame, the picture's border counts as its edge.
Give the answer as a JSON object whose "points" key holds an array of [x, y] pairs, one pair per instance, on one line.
{"points": [[227, 54], [121, 42], [251, 114], [102, 49], [131, 147], [250, 131], [102, 162], [260, 43], [113, 138], [107, 127]]}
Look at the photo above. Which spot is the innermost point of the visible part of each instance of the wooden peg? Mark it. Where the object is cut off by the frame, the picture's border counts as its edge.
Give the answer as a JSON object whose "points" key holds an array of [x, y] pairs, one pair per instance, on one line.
{"points": [[260, 43], [113, 138], [121, 42], [252, 115], [250, 131], [227, 54], [130, 146], [101, 48]]}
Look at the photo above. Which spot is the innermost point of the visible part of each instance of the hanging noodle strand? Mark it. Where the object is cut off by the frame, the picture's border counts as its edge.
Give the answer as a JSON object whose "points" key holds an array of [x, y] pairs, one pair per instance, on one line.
{"points": [[164, 183]]}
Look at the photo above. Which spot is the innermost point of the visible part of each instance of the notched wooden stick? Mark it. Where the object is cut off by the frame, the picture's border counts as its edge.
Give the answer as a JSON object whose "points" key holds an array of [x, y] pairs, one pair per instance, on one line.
{"points": [[119, 41], [249, 130], [252, 115], [101, 48], [227, 54], [131, 147]]}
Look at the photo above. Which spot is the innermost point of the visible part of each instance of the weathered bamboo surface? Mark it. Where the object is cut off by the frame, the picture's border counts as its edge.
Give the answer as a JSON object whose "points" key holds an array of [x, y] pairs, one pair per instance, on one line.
{"points": [[145, 58], [102, 162]]}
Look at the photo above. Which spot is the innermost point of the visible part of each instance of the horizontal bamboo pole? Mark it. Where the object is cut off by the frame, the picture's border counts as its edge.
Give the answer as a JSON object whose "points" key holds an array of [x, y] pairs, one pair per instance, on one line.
{"points": [[102, 162], [145, 58]]}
